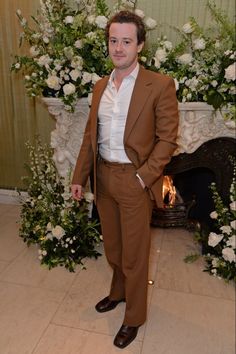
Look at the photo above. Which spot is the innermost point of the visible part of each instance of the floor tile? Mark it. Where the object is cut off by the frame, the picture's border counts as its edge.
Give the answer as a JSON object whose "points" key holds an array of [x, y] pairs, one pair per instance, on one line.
{"points": [[3, 266], [25, 314], [11, 245], [184, 323], [174, 274], [63, 340], [27, 270]]}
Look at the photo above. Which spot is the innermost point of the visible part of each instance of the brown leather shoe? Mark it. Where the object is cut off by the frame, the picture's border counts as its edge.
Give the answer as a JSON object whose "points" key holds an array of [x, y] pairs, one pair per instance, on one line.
{"points": [[125, 336], [107, 305]]}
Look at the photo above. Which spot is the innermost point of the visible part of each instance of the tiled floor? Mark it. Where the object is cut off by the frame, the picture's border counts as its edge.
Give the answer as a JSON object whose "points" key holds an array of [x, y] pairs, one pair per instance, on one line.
{"points": [[52, 312]]}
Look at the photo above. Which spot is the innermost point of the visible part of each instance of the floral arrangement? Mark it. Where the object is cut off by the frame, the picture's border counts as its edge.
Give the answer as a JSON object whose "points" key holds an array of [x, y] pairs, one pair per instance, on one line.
{"points": [[50, 218], [221, 261], [67, 48], [203, 63]]}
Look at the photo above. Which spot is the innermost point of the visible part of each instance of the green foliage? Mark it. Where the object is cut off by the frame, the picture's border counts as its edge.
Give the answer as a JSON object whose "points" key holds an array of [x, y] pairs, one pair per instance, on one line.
{"points": [[50, 218]]}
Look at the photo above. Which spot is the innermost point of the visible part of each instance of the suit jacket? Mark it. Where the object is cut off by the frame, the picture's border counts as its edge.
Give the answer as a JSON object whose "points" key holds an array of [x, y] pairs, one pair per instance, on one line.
{"points": [[150, 131]]}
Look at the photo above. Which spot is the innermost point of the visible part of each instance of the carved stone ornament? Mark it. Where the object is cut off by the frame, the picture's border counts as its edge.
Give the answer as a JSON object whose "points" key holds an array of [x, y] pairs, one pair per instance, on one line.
{"points": [[199, 122], [67, 137]]}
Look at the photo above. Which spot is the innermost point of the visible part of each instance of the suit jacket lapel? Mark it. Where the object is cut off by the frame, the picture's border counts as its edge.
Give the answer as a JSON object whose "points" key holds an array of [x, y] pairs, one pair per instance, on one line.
{"points": [[141, 92]]}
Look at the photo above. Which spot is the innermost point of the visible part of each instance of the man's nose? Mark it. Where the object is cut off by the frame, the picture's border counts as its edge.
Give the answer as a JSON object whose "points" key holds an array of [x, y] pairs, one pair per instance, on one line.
{"points": [[119, 46]]}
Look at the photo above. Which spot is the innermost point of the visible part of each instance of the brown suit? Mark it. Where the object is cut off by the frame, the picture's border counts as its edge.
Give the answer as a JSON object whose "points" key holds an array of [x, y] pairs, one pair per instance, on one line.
{"points": [[149, 142]]}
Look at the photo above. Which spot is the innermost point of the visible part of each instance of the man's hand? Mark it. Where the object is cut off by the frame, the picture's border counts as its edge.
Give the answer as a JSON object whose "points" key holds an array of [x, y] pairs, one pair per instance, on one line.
{"points": [[76, 190]]}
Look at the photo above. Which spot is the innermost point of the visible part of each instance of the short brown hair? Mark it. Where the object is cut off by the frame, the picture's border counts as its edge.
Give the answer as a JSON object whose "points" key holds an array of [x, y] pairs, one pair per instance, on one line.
{"points": [[128, 17]]}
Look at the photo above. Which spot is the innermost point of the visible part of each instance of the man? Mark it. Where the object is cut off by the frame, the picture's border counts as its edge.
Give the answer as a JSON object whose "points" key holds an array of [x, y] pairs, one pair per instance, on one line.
{"points": [[129, 138]]}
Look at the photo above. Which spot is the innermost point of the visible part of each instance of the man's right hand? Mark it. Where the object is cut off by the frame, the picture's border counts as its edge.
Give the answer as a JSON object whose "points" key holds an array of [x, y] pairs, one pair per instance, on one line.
{"points": [[76, 190]]}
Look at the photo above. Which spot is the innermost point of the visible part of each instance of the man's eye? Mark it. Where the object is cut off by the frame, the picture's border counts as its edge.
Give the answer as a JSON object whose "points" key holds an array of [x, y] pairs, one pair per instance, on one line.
{"points": [[126, 42], [112, 41]]}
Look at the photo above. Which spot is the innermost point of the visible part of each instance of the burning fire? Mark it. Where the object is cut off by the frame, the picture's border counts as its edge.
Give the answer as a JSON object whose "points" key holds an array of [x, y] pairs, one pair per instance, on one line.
{"points": [[168, 190]]}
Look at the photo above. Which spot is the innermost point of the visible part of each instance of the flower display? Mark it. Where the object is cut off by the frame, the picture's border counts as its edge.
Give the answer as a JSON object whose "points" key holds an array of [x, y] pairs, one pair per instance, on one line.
{"points": [[221, 261], [51, 219], [203, 62], [66, 47]]}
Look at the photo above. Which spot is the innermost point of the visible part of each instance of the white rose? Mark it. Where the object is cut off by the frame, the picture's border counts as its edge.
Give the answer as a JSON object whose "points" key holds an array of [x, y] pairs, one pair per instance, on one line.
{"points": [[233, 205], [185, 59], [161, 55], [214, 239], [199, 44], [187, 28], [34, 51], [68, 20], [88, 197], [226, 229], [86, 78], [230, 72], [139, 13], [69, 89], [44, 60], [58, 232], [17, 65], [49, 227], [27, 77], [79, 44], [74, 74], [45, 39], [214, 215], [228, 254], [95, 78], [233, 224], [53, 82], [214, 83], [231, 241], [101, 21], [150, 23]]}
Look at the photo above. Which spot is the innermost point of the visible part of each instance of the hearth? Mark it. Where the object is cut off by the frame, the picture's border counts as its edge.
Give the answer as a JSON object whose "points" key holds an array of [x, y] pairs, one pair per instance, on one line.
{"points": [[192, 175]]}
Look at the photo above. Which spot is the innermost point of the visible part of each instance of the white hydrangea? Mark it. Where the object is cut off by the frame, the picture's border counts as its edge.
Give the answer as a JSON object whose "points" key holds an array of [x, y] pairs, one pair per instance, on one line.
{"points": [[139, 13], [199, 44], [161, 55], [168, 45], [44, 60], [150, 23], [187, 28], [185, 58], [86, 77], [228, 254]]}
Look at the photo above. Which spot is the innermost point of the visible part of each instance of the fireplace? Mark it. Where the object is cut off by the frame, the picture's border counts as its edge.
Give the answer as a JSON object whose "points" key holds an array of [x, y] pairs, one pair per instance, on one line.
{"points": [[192, 175]]}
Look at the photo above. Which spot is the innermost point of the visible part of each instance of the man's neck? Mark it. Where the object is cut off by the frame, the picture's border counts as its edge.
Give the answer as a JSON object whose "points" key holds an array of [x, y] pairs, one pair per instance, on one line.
{"points": [[120, 74]]}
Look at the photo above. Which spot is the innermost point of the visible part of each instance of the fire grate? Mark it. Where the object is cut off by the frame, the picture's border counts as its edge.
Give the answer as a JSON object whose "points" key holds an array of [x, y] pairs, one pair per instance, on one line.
{"points": [[172, 215]]}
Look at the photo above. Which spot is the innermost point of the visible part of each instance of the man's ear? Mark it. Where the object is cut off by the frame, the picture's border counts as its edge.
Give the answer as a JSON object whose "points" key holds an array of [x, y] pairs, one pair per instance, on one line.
{"points": [[140, 47]]}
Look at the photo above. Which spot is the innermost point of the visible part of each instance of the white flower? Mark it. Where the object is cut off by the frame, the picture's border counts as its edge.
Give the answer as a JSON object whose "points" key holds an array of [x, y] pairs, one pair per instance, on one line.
{"points": [[214, 215], [95, 78], [139, 13], [86, 78], [160, 55], [168, 45], [226, 229], [88, 197], [27, 77], [68, 20], [214, 83], [143, 59], [18, 11], [157, 64], [44, 60], [17, 65], [91, 19], [58, 232], [176, 84], [228, 254], [69, 89], [230, 72], [44, 253], [231, 241], [233, 205], [79, 44], [34, 51], [49, 227], [101, 21], [77, 62], [214, 239], [199, 44], [233, 224], [45, 39], [187, 28], [185, 58], [53, 82], [74, 74], [214, 262], [150, 23]]}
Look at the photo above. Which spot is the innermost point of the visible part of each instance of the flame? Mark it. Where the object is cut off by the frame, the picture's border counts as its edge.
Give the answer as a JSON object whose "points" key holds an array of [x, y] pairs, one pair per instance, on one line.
{"points": [[169, 189]]}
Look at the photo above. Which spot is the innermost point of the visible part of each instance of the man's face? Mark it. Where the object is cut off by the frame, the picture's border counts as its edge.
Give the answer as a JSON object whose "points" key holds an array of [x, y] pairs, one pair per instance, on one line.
{"points": [[123, 45]]}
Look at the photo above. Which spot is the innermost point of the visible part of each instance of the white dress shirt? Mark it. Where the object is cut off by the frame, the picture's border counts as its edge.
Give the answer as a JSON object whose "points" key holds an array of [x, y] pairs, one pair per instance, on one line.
{"points": [[112, 115]]}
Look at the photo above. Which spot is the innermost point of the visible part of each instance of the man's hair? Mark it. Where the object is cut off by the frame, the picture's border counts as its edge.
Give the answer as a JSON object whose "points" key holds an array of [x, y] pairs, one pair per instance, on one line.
{"points": [[128, 17]]}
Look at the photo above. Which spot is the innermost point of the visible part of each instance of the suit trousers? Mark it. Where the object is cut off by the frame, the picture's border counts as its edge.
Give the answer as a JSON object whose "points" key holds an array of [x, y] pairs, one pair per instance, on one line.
{"points": [[125, 212]]}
